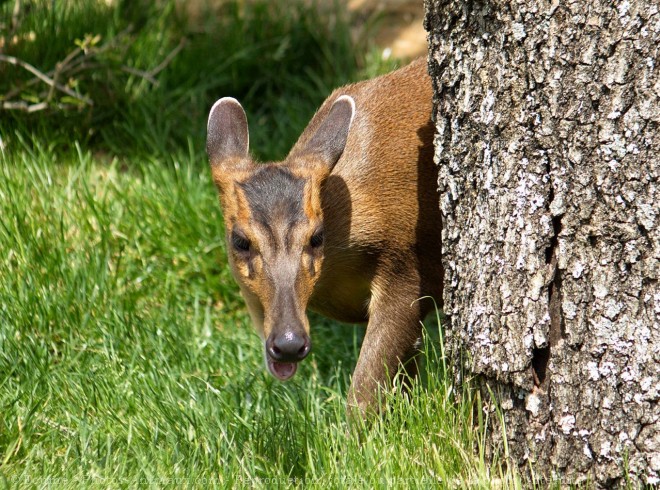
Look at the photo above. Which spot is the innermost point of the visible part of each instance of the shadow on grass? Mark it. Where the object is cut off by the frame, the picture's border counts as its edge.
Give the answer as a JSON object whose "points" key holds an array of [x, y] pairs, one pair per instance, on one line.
{"points": [[150, 75]]}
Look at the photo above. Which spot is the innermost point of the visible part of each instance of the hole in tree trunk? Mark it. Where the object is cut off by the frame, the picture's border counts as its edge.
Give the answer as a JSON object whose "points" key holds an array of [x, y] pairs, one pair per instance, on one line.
{"points": [[540, 359], [541, 355]]}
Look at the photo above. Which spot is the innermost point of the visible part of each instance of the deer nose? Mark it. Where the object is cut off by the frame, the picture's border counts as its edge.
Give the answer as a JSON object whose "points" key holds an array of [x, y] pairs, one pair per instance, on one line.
{"points": [[288, 346]]}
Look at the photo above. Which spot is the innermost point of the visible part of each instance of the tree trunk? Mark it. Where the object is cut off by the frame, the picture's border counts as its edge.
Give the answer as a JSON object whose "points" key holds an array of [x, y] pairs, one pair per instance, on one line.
{"points": [[548, 147]]}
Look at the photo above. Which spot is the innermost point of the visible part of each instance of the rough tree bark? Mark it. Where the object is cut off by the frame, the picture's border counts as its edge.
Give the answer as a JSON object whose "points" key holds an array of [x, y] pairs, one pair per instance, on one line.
{"points": [[548, 146]]}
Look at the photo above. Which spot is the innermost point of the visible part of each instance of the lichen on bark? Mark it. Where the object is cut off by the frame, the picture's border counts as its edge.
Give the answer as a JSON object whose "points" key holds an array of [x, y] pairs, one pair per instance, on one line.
{"points": [[548, 147]]}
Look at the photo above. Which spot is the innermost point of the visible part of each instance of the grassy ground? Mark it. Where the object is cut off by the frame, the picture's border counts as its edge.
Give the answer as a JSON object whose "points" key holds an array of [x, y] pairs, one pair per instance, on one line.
{"points": [[126, 355]]}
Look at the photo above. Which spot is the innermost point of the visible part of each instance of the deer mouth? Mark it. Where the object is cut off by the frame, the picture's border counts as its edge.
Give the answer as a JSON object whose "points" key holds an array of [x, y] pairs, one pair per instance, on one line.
{"points": [[281, 370]]}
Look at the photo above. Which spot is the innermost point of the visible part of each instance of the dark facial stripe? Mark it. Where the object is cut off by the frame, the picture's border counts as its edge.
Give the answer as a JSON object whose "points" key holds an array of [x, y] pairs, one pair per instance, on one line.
{"points": [[274, 196]]}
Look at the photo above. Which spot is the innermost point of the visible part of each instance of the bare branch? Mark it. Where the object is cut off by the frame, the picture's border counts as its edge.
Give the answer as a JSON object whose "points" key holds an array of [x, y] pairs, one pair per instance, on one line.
{"points": [[163, 64], [76, 61], [150, 75], [15, 61], [146, 75], [24, 106], [44, 78], [59, 68]]}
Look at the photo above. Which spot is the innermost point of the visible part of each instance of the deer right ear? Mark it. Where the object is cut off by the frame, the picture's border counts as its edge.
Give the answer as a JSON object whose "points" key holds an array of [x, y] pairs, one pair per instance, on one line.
{"points": [[330, 137], [227, 131]]}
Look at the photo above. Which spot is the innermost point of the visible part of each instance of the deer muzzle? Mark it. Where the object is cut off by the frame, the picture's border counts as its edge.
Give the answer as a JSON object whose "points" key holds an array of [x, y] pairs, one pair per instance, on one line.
{"points": [[288, 342]]}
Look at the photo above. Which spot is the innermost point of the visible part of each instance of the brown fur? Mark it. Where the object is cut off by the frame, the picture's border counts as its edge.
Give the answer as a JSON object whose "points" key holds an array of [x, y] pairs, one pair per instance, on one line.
{"points": [[379, 210]]}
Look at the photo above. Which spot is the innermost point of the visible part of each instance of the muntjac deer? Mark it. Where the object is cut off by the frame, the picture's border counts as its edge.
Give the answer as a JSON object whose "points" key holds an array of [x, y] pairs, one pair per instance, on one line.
{"points": [[347, 225]]}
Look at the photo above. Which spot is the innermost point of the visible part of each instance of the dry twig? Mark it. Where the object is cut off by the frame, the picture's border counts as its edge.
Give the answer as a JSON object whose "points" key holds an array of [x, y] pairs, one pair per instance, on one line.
{"points": [[79, 60], [44, 78]]}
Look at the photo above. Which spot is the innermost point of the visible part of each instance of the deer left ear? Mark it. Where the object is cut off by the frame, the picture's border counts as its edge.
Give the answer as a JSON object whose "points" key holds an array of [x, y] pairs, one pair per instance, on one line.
{"points": [[227, 134], [329, 139]]}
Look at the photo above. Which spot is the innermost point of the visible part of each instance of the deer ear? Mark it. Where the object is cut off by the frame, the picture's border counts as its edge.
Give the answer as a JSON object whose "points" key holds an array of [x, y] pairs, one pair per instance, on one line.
{"points": [[329, 139], [227, 131]]}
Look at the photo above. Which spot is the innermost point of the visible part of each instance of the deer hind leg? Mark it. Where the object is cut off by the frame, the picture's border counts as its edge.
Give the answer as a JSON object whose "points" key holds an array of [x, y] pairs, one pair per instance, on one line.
{"points": [[391, 343]]}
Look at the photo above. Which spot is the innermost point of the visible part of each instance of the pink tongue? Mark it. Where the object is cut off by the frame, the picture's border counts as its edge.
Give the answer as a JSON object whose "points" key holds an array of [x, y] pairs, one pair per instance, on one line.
{"points": [[283, 370]]}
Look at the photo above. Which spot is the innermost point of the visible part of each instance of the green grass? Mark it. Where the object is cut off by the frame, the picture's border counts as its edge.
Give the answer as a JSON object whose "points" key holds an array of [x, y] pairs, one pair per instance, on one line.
{"points": [[279, 62], [126, 354]]}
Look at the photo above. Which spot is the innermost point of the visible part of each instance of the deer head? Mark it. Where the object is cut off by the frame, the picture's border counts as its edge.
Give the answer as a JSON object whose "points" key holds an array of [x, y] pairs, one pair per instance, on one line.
{"points": [[274, 222]]}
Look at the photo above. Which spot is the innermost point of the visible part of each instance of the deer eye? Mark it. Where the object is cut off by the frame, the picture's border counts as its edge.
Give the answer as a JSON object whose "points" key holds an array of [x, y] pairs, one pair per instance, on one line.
{"points": [[240, 242], [317, 239]]}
